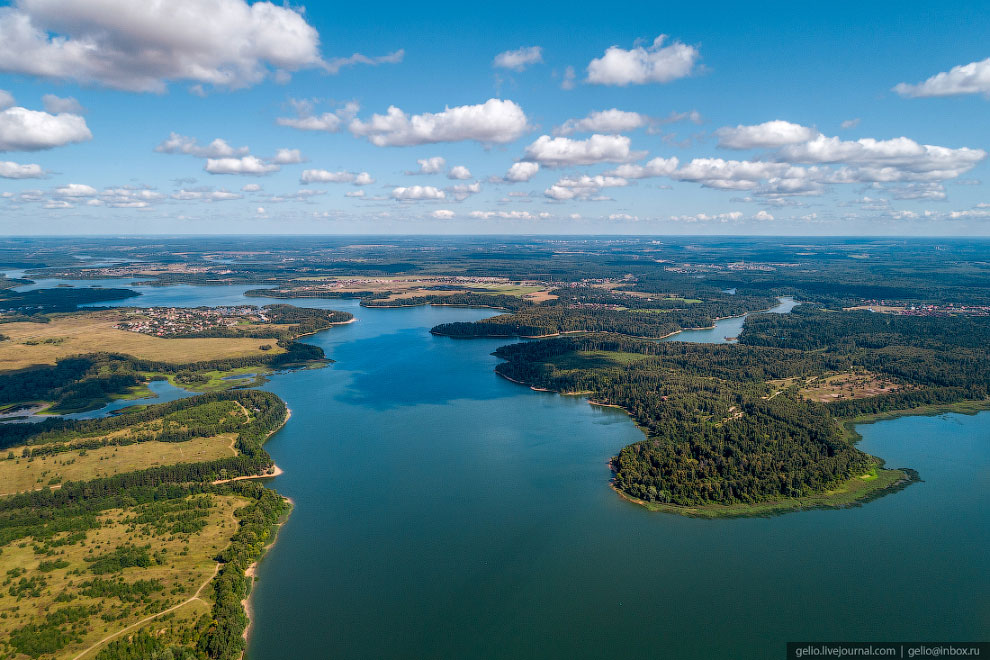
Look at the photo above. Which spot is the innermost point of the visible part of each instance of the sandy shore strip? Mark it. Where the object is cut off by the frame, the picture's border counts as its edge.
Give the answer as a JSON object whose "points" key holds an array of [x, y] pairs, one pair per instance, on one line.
{"points": [[251, 572]]}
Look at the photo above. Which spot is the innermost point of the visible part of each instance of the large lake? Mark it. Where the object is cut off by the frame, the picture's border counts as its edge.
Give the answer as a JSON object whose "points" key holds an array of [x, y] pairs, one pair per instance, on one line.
{"points": [[442, 512]]}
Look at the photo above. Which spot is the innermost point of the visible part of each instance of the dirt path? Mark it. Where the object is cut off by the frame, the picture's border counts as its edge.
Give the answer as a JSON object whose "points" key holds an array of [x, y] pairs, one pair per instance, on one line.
{"points": [[195, 596], [276, 470]]}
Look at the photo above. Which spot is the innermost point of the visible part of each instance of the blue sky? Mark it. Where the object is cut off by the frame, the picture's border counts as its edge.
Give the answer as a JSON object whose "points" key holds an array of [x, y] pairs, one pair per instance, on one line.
{"points": [[776, 118]]}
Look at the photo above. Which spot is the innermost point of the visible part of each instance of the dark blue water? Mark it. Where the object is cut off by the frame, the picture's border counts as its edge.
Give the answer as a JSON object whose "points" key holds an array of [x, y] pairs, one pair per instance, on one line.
{"points": [[442, 512]]}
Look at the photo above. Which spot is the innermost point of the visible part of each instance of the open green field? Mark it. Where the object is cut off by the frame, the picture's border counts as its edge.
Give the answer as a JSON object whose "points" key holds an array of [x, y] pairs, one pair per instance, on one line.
{"points": [[596, 359], [215, 380]]}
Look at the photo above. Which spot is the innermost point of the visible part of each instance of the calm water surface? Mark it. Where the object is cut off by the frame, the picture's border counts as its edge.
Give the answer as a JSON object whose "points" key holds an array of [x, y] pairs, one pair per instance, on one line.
{"points": [[442, 512]]}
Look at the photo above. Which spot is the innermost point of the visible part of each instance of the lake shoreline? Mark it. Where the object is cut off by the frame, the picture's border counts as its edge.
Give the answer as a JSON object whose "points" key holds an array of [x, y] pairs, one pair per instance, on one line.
{"points": [[251, 572], [964, 407], [854, 491], [887, 483]]}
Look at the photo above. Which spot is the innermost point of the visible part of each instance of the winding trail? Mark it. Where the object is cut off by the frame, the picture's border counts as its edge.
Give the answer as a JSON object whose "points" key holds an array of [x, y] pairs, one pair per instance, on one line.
{"points": [[195, 596]]}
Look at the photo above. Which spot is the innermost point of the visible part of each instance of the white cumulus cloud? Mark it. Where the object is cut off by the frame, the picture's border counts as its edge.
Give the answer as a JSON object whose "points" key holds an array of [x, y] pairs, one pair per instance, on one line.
{"points": [[6, 99], [287, 157], [328, 122], [565, 152], [522, 171], [442, 214], [704, 217], [582, 187], [654, 64], [459, 172], [897, 159], [653, 168], [518, 59], [326, 176], [249, 165], [206, 195], [432, 165], [76, 190], [604, 121], [462, 191], [11, 170], [495, 121], [138, 46], [57, 104], [769, 134], [181, 144], [509, 215], [972, 78], [417, 193], [141, 46], [32, 130]]}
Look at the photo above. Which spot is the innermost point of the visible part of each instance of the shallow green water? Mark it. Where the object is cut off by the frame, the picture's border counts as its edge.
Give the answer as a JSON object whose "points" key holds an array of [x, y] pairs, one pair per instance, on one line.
{"points": [[442, 512]]}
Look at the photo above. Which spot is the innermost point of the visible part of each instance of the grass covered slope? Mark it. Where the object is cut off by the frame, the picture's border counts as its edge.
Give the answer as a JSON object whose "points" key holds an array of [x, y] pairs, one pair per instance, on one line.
{"points": [[105, 575], [68, 591], [150, 558], [195, 430]]}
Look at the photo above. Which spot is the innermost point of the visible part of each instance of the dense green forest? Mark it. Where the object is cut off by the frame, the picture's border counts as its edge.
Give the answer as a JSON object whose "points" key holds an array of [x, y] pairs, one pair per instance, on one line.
{"points": [[718, 431], [24, 305], [585, 309], [945, 359], [713, 433]]}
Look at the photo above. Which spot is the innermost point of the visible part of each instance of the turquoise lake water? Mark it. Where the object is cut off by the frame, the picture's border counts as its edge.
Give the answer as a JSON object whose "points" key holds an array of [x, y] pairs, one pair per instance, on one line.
{"points": [[443, 512]]}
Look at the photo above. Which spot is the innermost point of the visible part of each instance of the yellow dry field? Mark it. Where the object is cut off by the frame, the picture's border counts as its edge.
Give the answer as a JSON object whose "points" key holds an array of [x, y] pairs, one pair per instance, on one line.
{"points": [[182, 567], [20, 474], [91, 332], [538, 297], [402, 287], [836, 387]]}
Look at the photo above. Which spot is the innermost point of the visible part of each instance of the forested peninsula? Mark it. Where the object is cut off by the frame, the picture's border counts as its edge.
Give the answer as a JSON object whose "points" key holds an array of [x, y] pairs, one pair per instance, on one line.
{"points": [[762, 426]]}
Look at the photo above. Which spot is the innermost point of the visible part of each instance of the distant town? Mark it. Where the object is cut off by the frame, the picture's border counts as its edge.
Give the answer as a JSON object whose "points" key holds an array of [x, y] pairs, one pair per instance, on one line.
{"points": [[911, 309], [176, 321]]}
